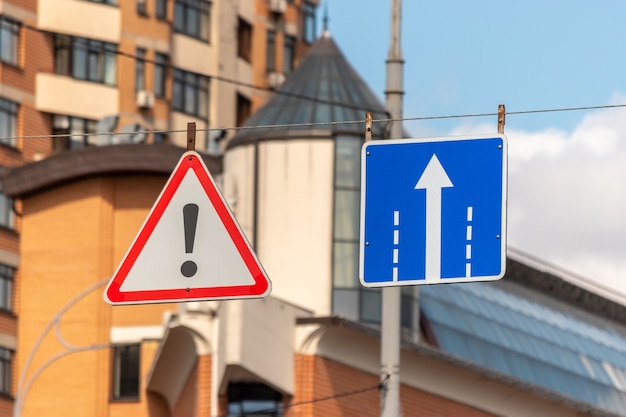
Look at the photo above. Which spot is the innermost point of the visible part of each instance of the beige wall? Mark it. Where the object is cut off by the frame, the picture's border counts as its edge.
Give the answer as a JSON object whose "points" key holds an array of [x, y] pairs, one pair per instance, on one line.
{"points": [[63, 95], [73, 237], [80, 18], [295, 220]]}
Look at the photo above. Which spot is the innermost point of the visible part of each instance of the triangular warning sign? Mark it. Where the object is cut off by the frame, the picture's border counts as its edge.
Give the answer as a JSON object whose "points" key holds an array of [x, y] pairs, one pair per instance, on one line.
{"points": [[190, 247]]}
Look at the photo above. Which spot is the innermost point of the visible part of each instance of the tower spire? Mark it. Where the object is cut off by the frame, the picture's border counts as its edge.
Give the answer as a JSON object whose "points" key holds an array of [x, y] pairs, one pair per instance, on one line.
{"points": [[325, 18]]}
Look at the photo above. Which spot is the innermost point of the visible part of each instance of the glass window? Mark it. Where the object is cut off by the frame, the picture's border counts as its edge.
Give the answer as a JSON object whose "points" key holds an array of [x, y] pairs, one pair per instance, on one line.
{"points": [[8, 122], [9, 40], [126, 372], [6, 286], [192, 18], [254, 400], [7, 217], [244, 108], [308, 26], [161, 9], [79, 133], [6, 370], [244, 39], [140, 69], [271, 51], [190, 93], [160, 74], [85, 59], [142, 8], [289, 54]]}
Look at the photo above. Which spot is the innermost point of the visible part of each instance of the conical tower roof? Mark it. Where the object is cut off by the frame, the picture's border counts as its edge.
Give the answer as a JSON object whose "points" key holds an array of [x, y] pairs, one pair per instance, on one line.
{"points": [[324, 88]]}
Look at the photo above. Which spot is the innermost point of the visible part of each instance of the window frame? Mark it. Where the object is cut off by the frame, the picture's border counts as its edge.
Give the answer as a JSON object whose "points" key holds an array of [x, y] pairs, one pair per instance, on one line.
{"points": [[161, 65], [193, 18], [190, 93], [126, 372], [85, 59], [140, 69], [289, 53], [270, 53], [9, 114], [7, 281], [309, 22], [12, 28], [160, 8], [6, 370], [244, 40]]}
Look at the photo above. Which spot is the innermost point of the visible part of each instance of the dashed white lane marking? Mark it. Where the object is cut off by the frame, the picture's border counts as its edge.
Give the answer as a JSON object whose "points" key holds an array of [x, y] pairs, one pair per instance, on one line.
{"points": [[468, 246], [396, 242]]}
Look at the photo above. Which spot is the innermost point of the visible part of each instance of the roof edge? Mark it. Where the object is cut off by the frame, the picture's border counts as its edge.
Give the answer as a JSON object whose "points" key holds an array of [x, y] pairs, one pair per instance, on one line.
{"points": [[159, 159]]}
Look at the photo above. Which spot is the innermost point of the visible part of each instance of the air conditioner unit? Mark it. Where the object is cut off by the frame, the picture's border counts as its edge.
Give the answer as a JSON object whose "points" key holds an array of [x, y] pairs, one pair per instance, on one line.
{"points": [[145, 99], [276, 79], [278, 6], [60, 121]]}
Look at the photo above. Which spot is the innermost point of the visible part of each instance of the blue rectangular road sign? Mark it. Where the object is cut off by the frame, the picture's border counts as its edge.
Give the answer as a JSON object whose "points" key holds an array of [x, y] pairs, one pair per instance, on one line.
{"points": [[433, 210]]}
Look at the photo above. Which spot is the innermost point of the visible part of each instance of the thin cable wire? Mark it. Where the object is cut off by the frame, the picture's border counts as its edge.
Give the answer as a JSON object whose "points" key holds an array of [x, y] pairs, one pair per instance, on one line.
{"points": [[314, 124], [316, 400], [217, 77]]}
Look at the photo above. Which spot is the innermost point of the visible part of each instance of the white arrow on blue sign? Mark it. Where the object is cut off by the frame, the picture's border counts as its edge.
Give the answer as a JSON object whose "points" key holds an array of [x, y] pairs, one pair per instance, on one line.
{"points": [[433, 210]]}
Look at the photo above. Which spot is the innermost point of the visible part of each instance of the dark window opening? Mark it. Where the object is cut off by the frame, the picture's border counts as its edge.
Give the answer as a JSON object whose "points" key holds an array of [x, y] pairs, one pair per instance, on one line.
{"points": [[244, 108], [253, 400], [126, 372], [244, 40]]}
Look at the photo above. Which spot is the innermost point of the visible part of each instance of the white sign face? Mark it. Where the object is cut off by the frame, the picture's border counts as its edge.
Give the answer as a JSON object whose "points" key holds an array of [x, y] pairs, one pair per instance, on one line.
{"points": [[433, 211], [189, 248]]}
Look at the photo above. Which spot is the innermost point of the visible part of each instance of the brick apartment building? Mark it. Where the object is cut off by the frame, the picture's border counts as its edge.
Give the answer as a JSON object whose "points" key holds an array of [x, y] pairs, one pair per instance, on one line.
{"points": [[134, 72]]}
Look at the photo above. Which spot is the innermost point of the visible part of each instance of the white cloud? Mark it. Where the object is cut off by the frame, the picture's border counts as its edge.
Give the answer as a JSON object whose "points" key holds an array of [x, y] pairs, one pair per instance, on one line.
{"points": [[567, 196]]}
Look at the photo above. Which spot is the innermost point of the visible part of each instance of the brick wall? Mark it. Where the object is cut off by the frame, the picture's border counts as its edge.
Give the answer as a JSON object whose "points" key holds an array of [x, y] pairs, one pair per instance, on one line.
{"points": [[327, 389]]}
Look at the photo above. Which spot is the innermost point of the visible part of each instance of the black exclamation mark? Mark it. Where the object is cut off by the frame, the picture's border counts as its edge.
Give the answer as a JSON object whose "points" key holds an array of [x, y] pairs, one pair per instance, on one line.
{"points": [[190, 219]]}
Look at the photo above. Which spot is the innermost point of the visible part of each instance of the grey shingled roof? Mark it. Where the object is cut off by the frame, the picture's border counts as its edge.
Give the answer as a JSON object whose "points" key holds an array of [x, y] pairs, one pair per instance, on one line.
{"points": [[324, 88]]}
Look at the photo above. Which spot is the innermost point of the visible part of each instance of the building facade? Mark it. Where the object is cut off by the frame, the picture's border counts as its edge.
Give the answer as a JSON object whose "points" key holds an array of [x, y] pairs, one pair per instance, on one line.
{"points": [[77, 74]]}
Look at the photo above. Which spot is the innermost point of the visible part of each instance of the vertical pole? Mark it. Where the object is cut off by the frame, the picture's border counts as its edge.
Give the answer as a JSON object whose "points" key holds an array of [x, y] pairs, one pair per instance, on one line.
{"points": [[501, 118], [191, 136], [391, 296], [368, 126]]}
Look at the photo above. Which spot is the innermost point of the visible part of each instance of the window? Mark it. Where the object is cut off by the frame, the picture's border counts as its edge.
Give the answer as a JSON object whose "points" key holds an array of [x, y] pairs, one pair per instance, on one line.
{"points": [[161, 9], [289, 54], [78, 131], [253, 399], [244, 107], [190, 93], [140, 69], [126, 372], [6, 285], [271, 50], [9, 40], [7, 217], [8, 122], [308, 25], [192, 18], [142, 8], [350, 299], [85, 59], [160, 74], [244, 39], [6, 370]]}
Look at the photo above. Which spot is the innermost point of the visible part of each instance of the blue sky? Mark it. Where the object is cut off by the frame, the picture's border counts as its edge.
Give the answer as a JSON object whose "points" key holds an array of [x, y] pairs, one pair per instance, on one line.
{"points": [[467, 57], [567, 170]]}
